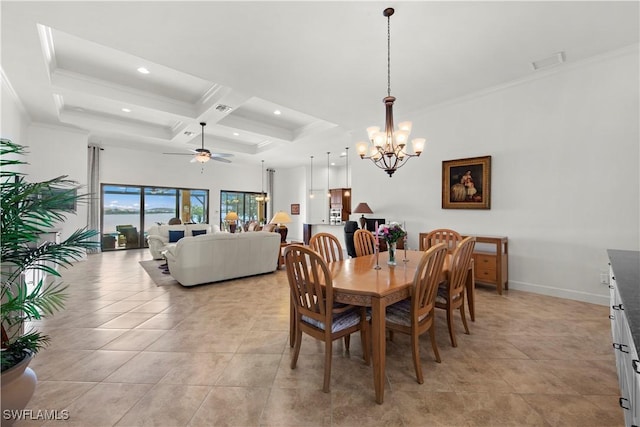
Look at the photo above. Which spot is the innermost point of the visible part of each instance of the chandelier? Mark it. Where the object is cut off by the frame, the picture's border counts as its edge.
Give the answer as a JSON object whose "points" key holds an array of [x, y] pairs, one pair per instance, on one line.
{"points": [[263, 196], [387, 148]]}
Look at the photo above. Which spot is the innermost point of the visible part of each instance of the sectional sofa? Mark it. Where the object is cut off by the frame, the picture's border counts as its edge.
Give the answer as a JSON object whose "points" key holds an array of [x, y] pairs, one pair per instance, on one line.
{"points": [[222, 256]]}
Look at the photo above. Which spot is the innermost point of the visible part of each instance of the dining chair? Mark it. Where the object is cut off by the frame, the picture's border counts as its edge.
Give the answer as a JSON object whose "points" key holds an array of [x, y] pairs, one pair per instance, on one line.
{"points": [[364, 242], [451, 293], [441, 235], [328, 246], [415, 316], [314, 311]]}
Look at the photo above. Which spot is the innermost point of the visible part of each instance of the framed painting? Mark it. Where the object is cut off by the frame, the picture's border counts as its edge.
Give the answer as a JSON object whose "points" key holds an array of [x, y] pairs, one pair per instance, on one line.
{"points": [[466, 183], [295, 209]]}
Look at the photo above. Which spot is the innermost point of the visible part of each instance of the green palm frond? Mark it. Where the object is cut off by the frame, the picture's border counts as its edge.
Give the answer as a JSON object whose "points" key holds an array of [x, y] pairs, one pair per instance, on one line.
{"points": [[29, 209]]}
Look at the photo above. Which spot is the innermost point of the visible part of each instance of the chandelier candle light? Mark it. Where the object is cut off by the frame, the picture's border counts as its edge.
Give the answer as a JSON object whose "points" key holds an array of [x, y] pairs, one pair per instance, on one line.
{"points": [[388, 147]]}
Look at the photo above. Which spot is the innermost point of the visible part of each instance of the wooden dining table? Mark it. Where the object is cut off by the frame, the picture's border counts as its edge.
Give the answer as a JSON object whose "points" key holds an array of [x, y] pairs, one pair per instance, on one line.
{"points": [[356, 281]]}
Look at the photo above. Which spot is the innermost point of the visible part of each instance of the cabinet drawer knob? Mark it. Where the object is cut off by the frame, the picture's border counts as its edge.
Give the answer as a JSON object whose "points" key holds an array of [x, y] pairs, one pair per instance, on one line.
{"points": [[620, 347], [617, 307], [611, 316], [623, 401], [635, 363]]}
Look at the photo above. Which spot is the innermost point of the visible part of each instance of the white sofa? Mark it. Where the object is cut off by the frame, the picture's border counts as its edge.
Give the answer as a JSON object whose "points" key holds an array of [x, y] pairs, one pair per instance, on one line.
{"points": [[158, 235], [223, 256]]}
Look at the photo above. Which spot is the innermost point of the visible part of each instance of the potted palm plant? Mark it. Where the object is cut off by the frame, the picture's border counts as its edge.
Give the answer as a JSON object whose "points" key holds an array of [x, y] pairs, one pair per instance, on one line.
{"points": [[30, 209]]}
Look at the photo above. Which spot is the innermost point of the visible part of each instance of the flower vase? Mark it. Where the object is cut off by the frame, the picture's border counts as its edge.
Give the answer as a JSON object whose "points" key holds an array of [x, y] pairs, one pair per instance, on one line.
{"points": [[392, 253]]}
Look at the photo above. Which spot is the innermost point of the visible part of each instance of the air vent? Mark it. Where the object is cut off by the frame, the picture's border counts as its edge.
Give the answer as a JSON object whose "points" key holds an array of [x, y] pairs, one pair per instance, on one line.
{"points": [[223, 108], [555, 59]]}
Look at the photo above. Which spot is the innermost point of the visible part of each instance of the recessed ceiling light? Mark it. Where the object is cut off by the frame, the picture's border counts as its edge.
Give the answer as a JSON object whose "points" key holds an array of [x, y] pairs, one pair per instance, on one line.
{"points": [[277, 112], [189, 133], [236, 134], [143, 70], [126, 110]]}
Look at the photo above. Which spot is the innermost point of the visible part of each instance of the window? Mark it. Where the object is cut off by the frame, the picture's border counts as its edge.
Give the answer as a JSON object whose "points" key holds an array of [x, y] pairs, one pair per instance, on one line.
{"points": [[127, 210], [245, 204]]}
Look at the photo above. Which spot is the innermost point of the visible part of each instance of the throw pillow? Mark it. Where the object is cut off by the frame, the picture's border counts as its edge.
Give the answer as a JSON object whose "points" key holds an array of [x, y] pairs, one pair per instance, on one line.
{"points": [[198, 232], [175, 235]]}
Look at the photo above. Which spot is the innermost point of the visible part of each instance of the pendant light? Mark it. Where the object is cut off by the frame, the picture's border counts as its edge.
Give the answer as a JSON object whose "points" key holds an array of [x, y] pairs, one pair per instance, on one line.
{"points": [[262, 197], [328, 191], [347, 192], [387, 148], [311, 195]]}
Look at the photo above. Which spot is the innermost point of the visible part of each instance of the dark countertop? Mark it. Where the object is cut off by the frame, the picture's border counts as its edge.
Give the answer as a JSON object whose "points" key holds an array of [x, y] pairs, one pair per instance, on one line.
{"points": [[626, 270]]}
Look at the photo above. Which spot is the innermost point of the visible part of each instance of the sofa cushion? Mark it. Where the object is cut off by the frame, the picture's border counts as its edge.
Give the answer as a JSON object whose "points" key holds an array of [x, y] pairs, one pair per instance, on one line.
{"points": [[175, 235], [198, 232]]}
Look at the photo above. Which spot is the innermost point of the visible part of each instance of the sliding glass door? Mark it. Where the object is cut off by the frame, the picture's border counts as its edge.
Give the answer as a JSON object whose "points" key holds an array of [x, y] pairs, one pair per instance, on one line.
{"points": [[129, 210], [245, 204]]}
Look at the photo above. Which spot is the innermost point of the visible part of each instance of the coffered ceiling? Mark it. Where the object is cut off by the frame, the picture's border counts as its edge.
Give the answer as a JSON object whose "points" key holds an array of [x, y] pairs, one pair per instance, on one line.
{"points": [[322, 65]]}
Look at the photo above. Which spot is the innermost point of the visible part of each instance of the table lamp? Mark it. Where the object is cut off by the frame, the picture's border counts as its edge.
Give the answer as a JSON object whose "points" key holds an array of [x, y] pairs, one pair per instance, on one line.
{"points": [[363, 208], [231, 219], [281, 218]]}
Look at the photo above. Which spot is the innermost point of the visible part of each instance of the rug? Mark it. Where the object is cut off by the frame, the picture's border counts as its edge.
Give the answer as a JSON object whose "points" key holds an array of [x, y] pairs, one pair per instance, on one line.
{"points": [[160, 279]]}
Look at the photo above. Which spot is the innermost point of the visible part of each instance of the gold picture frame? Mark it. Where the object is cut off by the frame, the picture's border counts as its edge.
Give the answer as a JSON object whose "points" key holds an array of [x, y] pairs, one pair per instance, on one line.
{"points": [[466, 183]]}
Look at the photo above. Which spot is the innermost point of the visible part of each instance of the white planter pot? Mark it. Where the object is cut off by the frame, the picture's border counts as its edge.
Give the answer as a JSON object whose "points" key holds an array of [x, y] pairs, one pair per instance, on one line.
{"points": [[18, 386]]}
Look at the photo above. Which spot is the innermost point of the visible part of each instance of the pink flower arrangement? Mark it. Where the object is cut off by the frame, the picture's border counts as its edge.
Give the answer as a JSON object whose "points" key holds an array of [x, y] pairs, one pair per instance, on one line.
{"points": [[391, 232]]}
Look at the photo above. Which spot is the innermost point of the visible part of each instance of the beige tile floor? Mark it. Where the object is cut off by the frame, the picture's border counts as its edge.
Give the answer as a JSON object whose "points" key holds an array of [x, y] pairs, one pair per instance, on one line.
{"points": [[127, 352]]}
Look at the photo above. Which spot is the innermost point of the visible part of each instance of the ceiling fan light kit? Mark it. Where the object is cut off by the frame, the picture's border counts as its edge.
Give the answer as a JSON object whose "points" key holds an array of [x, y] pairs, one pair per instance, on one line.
{"points": [[203, 155]]}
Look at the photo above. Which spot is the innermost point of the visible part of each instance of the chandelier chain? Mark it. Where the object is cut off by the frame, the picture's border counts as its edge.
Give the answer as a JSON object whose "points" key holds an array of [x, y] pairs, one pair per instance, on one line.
{"points": [[389, 55]]}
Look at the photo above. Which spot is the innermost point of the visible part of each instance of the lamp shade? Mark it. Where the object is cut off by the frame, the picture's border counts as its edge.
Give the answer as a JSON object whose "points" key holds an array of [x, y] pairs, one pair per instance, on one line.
{"points": [[231, 216], [280, 217], [363, 208]]}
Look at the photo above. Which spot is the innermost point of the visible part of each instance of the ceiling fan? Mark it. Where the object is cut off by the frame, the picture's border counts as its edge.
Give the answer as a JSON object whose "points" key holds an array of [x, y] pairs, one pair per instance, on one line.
{"points": [[202, 155]]}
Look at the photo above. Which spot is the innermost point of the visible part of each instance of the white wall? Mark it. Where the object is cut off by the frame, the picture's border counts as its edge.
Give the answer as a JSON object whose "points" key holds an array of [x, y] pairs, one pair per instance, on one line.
{"points": [[124, 166], [56, 151], [14, 121], [565, 173], [289, 188]]}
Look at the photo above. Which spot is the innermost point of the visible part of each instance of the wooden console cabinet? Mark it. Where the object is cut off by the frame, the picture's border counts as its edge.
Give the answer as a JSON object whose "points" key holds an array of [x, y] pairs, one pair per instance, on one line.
{"points": [[491, 261]]}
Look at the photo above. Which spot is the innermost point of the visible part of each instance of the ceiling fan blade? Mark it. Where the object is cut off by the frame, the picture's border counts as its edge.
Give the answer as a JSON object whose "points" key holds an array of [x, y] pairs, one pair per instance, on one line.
{"points": [[221, 155], [180, 154], [220, 159]]}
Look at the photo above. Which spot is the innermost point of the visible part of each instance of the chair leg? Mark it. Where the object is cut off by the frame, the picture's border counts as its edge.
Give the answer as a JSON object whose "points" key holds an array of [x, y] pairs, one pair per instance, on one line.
{"points": [[434, 344], [327, 365], [452, 333], [347, 341], [464, 319], [296, 348], [415, 351]]}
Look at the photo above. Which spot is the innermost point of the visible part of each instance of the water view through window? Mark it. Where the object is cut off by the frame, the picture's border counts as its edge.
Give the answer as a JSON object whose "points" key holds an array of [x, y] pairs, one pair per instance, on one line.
{"points": [[125, 223]]}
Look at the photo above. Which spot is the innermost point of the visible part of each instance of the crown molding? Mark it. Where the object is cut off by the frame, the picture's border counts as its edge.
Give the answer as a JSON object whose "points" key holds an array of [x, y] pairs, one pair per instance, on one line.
{"points": [[537, 75], [7, 84]]}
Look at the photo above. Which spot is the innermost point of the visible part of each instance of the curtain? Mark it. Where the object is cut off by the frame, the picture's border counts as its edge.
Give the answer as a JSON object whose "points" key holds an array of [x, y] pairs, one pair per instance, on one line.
{"points": [[93, 212], [270, 173]]}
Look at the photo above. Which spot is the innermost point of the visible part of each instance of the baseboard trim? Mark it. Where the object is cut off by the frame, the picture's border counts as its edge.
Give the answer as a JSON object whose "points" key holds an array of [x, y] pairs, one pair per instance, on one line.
{"points": [[560, 293]]}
